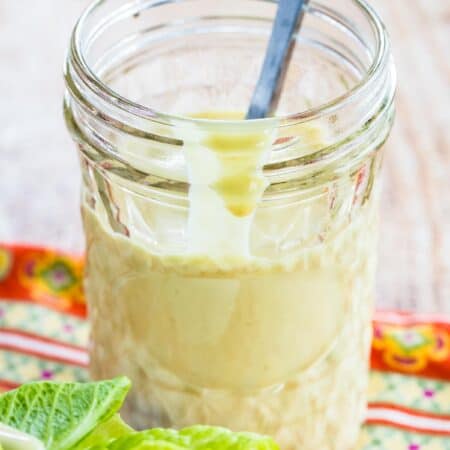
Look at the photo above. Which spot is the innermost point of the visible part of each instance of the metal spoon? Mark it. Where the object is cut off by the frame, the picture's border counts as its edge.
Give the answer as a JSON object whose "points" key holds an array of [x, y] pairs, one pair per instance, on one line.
{"points": [[267, 92]]}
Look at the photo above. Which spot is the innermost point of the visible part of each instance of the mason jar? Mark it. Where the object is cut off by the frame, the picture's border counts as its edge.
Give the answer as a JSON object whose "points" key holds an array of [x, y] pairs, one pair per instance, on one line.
{"points": [[230, 263]]}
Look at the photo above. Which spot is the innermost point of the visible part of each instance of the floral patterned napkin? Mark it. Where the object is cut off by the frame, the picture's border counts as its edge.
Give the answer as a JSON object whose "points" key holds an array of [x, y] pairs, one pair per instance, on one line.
{"points": [[44, 334]]}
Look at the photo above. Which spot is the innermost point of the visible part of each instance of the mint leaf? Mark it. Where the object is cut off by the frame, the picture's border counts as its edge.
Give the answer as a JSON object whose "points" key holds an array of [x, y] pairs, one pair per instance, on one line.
{"points": [[61, 414]]}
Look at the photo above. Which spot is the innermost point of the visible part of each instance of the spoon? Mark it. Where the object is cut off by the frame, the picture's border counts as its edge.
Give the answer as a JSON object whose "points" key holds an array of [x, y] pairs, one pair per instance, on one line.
{"points": [[278, 54]]}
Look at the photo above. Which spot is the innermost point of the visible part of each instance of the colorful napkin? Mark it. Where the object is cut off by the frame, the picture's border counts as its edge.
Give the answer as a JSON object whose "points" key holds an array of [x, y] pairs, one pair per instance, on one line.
{"points": [[44, 335]]}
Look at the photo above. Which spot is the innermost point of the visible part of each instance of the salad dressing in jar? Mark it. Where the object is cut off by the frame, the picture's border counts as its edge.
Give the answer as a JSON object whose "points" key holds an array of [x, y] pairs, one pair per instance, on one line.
{"points": [[230, 263]]}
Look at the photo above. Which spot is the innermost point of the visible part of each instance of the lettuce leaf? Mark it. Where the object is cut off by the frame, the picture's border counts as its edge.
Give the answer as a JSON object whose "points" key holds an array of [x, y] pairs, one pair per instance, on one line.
{"points": [[105, 433], [62, 414], [84, 416], [199, 437]]}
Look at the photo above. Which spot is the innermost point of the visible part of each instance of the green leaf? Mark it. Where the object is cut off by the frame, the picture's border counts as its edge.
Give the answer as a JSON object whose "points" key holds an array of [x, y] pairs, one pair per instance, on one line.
{"points": [[193, 438], [216, 438], [61, 414], [75, 416], [108, 431], [141, 441]]}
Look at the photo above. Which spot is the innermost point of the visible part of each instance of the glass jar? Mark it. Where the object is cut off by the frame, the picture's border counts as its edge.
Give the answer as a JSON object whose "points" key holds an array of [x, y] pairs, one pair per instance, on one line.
{"points": [[230, 263]]}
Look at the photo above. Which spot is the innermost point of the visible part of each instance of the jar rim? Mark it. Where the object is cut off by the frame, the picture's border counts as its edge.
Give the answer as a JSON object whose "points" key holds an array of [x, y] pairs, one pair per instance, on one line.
{"points": [[98, 87]]}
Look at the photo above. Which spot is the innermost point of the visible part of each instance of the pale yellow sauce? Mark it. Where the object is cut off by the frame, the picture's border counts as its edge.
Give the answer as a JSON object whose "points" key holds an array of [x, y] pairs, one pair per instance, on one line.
{"points": [[272, 345], [241, 184]]}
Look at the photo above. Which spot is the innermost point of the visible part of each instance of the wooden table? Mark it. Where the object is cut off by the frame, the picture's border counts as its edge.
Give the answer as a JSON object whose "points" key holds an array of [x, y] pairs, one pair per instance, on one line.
{"points": [[39, 177]]}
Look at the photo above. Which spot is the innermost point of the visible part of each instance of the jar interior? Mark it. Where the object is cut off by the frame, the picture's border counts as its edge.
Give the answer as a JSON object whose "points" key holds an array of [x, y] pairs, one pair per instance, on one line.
{"points": [[190, 56], [201, 55]]}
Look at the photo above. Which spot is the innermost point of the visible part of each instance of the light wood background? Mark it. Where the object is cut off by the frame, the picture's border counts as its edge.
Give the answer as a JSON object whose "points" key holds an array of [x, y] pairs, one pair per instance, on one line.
{"points": [[39, 177]]}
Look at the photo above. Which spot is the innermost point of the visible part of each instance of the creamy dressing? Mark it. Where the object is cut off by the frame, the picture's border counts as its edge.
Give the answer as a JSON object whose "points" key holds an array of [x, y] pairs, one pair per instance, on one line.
{"points": [[225, 174], [219, 336]]}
